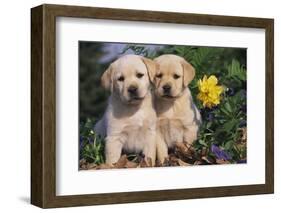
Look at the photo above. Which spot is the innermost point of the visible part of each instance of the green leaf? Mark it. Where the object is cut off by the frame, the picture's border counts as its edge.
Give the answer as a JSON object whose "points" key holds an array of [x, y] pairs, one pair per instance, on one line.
{"points": [[202, 142], [236, 70], [228, 145], [224, 111], [228, 107], [209, 124], [229, 125]]}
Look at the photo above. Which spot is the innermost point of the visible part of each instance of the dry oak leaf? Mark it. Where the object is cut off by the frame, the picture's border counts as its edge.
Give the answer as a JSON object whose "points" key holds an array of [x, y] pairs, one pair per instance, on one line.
{"points": [[183, 149], [219, 161], [91, 166], [182, 163], [104, 166], [173, 160], [121, 163], [131, 164]]}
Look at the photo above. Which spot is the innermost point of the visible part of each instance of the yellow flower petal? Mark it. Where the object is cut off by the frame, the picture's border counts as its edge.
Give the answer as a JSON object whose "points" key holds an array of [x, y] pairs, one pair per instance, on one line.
{"points": [[205, 78], [212, 80]]}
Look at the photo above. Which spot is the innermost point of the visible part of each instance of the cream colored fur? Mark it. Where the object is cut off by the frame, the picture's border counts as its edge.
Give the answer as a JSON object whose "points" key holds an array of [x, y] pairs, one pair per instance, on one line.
{"points": [[178, 117], [129, 124]]}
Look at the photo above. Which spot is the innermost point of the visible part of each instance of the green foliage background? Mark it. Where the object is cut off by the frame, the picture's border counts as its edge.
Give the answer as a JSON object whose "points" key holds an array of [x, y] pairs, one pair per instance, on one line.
{"points": [[220, 132], [92, 97]]}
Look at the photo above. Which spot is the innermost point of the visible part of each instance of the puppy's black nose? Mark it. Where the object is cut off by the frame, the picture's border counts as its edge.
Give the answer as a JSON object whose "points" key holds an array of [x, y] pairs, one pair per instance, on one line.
{"points": [[132, 90], [166, 88]]}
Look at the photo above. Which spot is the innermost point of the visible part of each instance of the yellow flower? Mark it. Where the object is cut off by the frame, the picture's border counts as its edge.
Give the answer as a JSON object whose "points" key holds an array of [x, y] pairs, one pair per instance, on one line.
{"points": [[209, 91]]}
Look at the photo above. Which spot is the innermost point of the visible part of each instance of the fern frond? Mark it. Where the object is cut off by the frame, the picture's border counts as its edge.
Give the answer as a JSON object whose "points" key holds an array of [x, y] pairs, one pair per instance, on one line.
{"points": [[235, 70]]}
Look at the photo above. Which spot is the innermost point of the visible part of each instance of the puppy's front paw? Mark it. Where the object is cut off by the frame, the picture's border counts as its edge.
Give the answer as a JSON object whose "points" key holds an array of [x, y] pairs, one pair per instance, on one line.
{"points": [[113, 149]]}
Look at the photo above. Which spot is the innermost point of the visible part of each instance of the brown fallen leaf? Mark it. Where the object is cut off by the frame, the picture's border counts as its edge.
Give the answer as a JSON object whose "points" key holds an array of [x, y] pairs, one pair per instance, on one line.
{"points": [[243, 135], [91, 166], [82, 162], [184, 149], [182, 163], [197, 162], [83, 167], [131, 164], [208, 160], [121, 162], [219, 161], [104, 166], [173, 160]]}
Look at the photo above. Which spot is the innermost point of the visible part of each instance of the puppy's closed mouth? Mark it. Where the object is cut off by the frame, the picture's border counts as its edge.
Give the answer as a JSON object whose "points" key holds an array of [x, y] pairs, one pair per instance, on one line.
{"points": [[168, 96], [137, 98], [133, 99]]}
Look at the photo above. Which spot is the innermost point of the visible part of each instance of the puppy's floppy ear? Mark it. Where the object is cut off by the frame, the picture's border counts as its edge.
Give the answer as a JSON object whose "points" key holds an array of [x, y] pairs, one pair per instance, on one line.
{"points": [[188, 72], [151, 68], [106, 78]]}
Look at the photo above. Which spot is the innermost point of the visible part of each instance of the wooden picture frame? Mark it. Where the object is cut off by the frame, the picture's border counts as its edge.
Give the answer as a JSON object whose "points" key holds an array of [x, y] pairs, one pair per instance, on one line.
{"points": [[43, 105]]}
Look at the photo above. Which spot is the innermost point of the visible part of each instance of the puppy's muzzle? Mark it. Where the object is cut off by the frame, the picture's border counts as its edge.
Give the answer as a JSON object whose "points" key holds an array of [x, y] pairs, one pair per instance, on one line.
{"points": [[166, 89], [133, 91]]}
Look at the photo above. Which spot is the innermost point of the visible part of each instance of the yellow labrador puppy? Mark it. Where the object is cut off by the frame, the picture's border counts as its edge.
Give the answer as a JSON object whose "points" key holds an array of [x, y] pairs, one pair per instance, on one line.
{"points": [[129, 122], [178, 117]]}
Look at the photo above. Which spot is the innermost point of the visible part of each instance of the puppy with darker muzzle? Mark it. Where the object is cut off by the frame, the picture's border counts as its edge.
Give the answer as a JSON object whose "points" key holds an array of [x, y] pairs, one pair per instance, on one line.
{"points": [[129, 123], [178, 117]]}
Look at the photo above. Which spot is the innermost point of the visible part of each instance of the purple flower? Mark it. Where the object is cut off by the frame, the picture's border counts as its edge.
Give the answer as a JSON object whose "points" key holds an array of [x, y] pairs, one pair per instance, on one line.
{"points": [[242, 161], [210, 117], [220, 154], [242, 123]]}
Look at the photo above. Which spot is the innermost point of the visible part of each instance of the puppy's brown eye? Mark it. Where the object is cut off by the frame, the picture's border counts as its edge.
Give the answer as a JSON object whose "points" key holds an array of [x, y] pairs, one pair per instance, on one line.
{"points": [[176, 76], [159, 75], [121, 78], [140, 75]]}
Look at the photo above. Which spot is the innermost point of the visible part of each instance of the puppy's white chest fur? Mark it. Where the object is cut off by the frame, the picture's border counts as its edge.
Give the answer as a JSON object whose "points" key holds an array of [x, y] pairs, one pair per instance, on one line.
{"points": [[172, 130], [134, 130], [133, 126]]}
